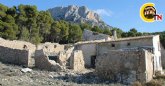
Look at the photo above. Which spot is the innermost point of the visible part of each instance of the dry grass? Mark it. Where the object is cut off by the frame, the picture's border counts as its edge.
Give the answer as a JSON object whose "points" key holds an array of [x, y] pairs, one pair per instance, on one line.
{"points": [[137, 83], [154, 83], [160, 77]]}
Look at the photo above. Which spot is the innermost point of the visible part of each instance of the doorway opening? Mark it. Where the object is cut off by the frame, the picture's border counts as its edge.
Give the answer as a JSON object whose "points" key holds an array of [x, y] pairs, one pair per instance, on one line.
{"points": [[93, 61]]}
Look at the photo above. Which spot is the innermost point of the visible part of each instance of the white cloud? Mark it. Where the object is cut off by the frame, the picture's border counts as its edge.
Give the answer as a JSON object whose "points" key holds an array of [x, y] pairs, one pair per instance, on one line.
{"points": [[104, 12]]}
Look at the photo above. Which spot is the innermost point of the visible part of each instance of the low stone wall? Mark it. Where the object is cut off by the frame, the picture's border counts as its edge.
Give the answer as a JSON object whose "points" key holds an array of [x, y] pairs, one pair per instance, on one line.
{"points": [[42, 62], [14, 56], [125, 66], [17, 52], [51, 48], [16, 44], [77, 61]]}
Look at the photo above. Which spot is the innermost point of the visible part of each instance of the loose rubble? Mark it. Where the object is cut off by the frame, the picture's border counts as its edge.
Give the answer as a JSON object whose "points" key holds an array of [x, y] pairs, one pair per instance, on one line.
{"points": [[11, 75]]}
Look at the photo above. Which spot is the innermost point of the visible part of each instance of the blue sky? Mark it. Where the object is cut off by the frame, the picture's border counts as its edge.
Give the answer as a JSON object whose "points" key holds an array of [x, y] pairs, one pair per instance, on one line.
{"points": [[123, 14]]}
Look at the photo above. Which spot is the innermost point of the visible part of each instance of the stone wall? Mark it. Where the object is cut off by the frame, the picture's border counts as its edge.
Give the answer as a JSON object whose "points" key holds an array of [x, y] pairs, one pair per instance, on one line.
{"points": [[89, 50], [16, 52], [125, 66], [89, 36], [151, 43], [16, 44], [51, 48], [42, 62], [14, 56], [125, 44], [77, 61], [149, 63], [64, 56], [157, 53]]}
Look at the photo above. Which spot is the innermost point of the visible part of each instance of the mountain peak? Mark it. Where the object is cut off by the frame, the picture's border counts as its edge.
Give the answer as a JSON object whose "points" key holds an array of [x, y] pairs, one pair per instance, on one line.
{"points": [[77, 14]]}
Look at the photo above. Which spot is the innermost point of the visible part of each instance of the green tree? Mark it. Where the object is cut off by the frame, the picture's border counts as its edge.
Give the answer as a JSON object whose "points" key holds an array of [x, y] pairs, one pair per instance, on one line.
{"points": [[3, 10], [12, 11], [44, 21], [162, 38], [132, 33], [85, 26], [107, 31], [118, 31], [27, 17], [24, 35], [75, 33], [55, 32], [97, 29], [9, 29], [64, 27]]}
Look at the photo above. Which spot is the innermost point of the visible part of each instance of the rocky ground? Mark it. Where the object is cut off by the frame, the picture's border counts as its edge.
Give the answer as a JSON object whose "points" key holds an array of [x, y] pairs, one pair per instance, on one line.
{"points": [[11, 75]]}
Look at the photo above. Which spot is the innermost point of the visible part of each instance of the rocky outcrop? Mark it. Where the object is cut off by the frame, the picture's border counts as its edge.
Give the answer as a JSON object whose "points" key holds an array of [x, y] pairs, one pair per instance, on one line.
{"points": [[78, 15]]}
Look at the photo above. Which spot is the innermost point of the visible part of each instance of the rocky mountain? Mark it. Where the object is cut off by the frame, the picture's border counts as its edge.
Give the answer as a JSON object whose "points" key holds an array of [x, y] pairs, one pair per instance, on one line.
{"points": [[78, 15]]}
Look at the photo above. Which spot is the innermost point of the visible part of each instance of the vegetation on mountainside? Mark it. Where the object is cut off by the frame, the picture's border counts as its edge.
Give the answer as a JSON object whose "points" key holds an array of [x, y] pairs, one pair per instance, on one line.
{"points": [[26, 23]]}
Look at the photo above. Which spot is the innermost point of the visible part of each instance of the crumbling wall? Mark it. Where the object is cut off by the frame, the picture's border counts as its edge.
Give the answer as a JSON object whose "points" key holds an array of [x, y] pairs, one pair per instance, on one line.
{"points": [[148, 42], [157, 53], [77, 61], [42, 62], [89, 50], [89, 36], [149, 61], [64, 56], [16, 52], [16, 44], [125, 66], [51, 48], [14, 56]]}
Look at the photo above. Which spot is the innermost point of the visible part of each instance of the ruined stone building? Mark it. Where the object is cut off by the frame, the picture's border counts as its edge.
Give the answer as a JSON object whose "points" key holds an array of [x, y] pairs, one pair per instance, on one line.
{"points": [[121, 60], [150, 43], [59, 60], [109, 56]]}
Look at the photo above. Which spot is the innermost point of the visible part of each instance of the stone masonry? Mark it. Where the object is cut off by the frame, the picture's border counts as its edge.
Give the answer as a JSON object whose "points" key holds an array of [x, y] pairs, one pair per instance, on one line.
{"points": [[77, 61], [51, 48], [14, 56], [16, 52], [42, 62], [125, 66]]}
